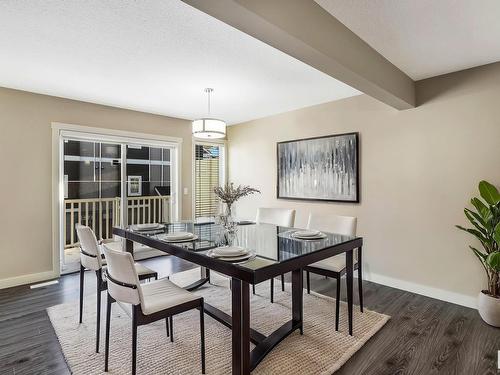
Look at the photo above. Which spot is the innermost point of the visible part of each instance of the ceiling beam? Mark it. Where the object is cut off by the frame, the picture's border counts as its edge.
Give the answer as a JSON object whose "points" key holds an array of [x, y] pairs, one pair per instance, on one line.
{"points": [[307, 32]]}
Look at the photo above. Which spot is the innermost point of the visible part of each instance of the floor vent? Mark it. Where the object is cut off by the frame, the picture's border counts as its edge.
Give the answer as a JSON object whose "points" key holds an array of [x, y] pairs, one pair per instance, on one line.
{"points": [[41, 285]]}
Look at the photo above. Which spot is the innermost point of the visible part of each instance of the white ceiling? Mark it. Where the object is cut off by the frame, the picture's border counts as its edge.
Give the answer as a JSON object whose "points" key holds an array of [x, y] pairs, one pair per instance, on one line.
{"points": [[425, 38], [155, 56]]}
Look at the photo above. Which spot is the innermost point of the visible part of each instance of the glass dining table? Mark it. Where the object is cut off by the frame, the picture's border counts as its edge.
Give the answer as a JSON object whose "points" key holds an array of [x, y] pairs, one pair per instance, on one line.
{"points": [[275, 251]]}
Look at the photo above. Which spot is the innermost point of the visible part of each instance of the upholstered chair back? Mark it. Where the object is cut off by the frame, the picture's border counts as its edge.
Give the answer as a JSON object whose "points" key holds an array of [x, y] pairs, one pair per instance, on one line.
{"points": [[345, 225], [90, 254], [123, 282], [283, 217]]}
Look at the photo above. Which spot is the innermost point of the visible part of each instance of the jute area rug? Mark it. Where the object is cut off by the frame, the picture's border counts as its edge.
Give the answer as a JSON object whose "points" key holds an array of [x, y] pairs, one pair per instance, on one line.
{"points": [[321, 350]]}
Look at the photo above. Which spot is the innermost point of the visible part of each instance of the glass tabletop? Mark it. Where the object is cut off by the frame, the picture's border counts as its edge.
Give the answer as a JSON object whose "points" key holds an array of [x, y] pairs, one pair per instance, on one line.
{"points": [[269, 244]]}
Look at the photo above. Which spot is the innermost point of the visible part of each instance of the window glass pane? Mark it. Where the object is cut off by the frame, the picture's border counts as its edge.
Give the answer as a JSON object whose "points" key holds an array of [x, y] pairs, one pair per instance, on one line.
{"points": [[77, 172], [137, 152], [166, 154], [79, 148], [80, 170], [166, 173], [156, 176], [156, 153], [109, 150], [207, 177], [110, 172]]}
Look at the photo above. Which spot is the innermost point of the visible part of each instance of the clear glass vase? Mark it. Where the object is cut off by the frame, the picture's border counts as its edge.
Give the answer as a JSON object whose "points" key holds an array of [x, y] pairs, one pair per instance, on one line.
{"points": [[229, 227]]}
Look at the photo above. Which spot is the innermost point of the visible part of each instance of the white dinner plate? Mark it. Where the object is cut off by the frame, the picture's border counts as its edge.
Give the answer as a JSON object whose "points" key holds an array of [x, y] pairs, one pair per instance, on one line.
{"points": [[310, 238], [180, 237], [307, 233], [146, 227], [229, 251], [231, 259]]}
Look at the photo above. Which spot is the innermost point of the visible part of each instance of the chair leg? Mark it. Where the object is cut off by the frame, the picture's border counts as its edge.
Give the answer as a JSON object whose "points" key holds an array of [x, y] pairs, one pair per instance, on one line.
{"points": [[202, 337], [82, 283], [108, 323], [98, 323], [134, 341], [360, 281], [282, 282], [337, 305], [171, 318], [272, 290], [308, 282]]}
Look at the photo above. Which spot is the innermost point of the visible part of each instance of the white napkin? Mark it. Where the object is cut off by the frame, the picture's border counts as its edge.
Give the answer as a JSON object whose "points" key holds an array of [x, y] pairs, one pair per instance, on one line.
{"points": [[229, 251], [176, 236]]}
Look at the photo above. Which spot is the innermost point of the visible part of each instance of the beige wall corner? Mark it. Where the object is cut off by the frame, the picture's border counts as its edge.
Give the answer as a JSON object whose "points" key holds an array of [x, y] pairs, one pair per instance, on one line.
{"points": [[325, 44], [419, 168], [26, 165]]}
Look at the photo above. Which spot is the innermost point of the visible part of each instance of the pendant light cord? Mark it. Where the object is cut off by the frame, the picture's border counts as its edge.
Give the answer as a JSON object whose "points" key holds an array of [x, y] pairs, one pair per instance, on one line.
{"points": [[209, 103], [209, 91]]}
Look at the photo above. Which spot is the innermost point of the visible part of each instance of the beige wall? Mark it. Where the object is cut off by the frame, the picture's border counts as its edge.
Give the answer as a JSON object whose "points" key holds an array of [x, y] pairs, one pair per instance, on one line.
{"points": [[419, 167], [26, 175]]}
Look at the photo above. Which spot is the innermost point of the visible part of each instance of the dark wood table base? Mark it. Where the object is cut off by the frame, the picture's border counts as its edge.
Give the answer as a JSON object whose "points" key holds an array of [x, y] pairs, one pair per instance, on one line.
{"points": [[244, 360]]}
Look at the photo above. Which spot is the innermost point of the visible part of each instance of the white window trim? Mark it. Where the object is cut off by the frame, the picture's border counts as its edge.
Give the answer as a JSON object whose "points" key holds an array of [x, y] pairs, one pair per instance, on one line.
{"points": [[60, 130], [193, 169]]}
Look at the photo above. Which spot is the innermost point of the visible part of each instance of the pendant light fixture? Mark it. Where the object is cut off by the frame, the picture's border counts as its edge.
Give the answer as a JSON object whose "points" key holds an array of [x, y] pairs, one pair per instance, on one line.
{"points": [[207, 127]]}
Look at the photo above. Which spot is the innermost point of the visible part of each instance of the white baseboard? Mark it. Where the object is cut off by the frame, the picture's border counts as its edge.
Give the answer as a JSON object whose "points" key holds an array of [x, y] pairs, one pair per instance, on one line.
{"points": [[443, 295], [27, 279]]}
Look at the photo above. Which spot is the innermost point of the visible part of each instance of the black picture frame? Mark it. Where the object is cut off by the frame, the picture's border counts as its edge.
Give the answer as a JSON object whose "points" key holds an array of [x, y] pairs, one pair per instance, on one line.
{"points": [[357, 177]]}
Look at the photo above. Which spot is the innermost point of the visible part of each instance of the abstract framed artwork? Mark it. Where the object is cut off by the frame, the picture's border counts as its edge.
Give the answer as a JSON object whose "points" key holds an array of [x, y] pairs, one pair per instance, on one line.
{"points": [[322, 169]]}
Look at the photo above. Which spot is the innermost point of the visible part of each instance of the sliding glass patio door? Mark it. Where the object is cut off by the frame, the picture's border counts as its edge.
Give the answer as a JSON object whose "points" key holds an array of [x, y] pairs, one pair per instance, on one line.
{"points": [[113, 183]]}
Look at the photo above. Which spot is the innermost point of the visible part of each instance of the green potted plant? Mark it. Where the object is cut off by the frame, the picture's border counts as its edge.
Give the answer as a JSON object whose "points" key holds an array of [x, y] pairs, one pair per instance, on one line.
{"points": [[485, 220]]}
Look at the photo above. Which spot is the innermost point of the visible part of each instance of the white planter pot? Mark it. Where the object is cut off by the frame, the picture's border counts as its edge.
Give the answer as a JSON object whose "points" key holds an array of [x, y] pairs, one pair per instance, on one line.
{"points": [[489, 309]]}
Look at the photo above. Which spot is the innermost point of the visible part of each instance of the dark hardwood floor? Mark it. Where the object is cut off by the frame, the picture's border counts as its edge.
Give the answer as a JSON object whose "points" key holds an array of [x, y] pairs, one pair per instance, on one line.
{"points": [[423, 336]]}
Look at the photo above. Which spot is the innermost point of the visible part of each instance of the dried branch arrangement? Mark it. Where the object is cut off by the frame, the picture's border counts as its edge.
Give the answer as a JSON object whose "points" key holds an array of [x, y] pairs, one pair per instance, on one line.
{"points": [[229, 194]]}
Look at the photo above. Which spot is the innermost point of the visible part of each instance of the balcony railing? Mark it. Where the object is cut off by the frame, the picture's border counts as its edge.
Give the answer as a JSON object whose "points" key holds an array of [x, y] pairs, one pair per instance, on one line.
{"points": [[102, 214]]}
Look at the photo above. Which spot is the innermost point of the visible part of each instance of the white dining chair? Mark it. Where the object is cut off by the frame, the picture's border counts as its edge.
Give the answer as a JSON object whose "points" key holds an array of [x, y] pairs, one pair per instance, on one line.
{"points": [[160, 299], [91, 258], [283, 217], [335, 266]]}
